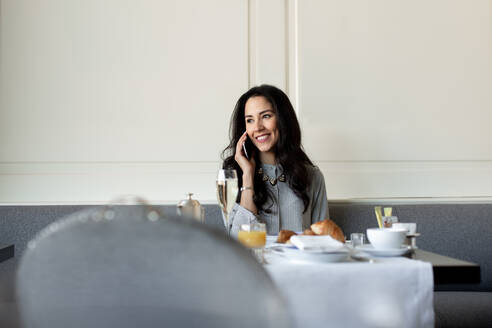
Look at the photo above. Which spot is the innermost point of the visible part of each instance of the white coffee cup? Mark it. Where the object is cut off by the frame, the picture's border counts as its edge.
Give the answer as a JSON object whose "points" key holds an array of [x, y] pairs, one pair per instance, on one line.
{"points": [[386, 238], [411, 227]]}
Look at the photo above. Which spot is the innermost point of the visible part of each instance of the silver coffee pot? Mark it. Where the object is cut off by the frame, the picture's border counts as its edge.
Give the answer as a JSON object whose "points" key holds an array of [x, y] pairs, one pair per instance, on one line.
{"points": [[191, 208]]}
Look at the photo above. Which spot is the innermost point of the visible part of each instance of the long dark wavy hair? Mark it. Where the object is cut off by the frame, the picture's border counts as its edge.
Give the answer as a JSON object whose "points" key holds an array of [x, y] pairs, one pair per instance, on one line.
{"points": [[288, 151]]}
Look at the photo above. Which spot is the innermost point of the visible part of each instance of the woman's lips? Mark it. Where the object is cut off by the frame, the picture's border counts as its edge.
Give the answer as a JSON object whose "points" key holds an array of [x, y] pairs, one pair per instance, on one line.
{"points": [[263, 138]]}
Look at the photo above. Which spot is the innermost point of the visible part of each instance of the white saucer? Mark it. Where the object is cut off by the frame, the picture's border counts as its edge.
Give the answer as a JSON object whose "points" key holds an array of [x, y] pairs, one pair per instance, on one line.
{"points": [[384, 252]]}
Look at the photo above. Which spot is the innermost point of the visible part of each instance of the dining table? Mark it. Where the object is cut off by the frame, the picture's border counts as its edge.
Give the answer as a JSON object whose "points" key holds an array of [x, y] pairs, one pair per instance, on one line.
{"points": [[448, 270], [363, 292], [6, 252], [367, 292]]}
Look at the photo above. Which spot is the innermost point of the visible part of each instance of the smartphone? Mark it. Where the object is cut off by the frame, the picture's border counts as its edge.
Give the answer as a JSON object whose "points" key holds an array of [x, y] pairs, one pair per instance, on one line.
{"points": [[247, 148]]}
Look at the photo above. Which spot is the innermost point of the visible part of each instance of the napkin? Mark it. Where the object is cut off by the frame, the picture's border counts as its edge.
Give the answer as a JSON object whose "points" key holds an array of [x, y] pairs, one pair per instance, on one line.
{"points": [[317, 243]]}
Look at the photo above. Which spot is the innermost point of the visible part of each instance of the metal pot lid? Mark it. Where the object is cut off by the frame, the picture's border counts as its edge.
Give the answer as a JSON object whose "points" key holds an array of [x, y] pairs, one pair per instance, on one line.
{"points": [[189, 202]]}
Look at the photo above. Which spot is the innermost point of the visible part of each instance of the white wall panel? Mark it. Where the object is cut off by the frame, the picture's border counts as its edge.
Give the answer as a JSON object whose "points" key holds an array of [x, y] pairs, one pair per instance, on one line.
{"points": [[395, 96], [268, 42], [396, 80], [120, 80], [94, 92]]}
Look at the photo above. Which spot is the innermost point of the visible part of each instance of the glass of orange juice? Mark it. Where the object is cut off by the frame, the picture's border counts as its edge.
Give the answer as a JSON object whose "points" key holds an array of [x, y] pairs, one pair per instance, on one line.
{"points": [[253, 236]]}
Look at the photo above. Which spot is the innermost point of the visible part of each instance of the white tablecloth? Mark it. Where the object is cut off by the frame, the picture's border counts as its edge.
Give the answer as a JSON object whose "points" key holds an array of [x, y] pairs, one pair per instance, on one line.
{"points": [[392, 292]]}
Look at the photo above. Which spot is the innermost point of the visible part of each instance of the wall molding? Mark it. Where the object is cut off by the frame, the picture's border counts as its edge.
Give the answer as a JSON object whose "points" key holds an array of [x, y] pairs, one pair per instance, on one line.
{"points": [[292, 67], [411, 201], [274, 62], [251, 43], [168, 182], [407, 179], [268, 59], [96, 183]]}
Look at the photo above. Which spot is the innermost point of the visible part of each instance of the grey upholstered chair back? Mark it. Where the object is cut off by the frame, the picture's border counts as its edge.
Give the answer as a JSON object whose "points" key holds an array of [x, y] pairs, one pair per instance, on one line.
{"points": [[125, 268]]}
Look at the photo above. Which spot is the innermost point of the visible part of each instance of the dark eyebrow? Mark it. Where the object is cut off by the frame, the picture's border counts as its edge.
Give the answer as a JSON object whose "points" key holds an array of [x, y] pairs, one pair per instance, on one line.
{"points": [[262, 112]]}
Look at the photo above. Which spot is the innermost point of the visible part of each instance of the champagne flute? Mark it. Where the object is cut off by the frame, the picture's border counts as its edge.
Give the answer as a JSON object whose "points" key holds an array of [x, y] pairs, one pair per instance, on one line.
{"points": [[227, 190]]}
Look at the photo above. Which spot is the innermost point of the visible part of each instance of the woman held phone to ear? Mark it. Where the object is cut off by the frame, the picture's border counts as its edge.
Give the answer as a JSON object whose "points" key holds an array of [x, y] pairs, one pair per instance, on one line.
{"points": [[279, 184]]}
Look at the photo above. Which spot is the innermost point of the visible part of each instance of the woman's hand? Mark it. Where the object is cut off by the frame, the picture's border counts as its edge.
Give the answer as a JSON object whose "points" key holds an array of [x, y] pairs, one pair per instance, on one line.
{"points": [[247, 165]]}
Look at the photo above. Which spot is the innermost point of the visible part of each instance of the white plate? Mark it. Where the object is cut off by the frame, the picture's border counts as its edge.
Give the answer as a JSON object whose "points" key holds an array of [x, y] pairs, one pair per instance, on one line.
{"points": [[271, 241], [384, 252], [297, 255], [284, 245]]}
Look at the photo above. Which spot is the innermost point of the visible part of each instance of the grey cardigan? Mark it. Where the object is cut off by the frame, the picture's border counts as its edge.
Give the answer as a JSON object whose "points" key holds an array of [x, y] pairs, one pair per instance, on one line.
{"points": [[287, 208]]}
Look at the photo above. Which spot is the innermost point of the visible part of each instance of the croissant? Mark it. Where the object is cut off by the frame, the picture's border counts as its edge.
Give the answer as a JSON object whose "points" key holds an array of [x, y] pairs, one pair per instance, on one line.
{"points": [[309, 232], [284, 236], [328, 227]]}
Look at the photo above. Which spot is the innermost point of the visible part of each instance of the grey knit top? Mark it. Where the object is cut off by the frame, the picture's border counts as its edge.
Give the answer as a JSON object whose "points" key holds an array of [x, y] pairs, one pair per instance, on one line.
{"points": [[285, 211]]}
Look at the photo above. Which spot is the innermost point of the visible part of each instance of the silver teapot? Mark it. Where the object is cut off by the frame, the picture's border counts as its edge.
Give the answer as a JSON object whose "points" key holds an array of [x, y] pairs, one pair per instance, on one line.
{"points": [[191, 208]]}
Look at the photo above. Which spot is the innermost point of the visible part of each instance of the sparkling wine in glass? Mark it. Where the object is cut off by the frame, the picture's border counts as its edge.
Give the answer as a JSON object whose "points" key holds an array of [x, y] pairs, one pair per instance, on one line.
{"points": [[227, 189]]}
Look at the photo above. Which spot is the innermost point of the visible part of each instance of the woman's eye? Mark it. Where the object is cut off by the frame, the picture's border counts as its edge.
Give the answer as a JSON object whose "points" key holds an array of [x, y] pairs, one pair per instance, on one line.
{"points": [[267, 116], [249, 121]]}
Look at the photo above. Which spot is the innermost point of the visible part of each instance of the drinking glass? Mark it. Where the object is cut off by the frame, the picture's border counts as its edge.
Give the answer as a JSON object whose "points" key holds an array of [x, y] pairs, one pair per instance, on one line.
{"points": [[253, 236], [357, 239], [227, 189]]}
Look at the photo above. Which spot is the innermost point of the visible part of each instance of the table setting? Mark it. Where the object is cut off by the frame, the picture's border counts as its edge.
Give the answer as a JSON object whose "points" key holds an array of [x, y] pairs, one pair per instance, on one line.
{"points": [[382, 292], [321, 247], [347, 284], [328, 280]]}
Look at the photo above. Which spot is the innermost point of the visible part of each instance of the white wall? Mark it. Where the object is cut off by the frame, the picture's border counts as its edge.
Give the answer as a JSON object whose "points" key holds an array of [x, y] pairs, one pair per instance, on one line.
{"points": [[102, 98], [395, 97]]}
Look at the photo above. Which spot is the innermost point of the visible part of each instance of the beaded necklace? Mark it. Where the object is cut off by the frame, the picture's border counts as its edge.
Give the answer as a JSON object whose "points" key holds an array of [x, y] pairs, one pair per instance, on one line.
{"points": [[273, 181]]}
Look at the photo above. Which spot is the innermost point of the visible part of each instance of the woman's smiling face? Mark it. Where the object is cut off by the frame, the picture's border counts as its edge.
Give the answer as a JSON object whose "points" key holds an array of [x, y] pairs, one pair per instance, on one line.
{"points": [[261, 123]]}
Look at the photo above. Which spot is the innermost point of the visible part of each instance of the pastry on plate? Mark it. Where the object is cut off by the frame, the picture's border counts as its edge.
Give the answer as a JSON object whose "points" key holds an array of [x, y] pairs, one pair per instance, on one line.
{"points": [[284, 236], [308, 232], [328, 227]]}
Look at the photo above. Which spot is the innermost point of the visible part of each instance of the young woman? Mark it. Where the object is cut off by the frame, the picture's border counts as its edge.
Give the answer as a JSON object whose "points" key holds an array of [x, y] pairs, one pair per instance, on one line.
{"points": [[279, 184]]}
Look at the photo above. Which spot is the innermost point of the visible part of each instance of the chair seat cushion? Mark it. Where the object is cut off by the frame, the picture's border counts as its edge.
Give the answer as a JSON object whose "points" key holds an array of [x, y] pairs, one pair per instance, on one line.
{"points": [[463, 309]]}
